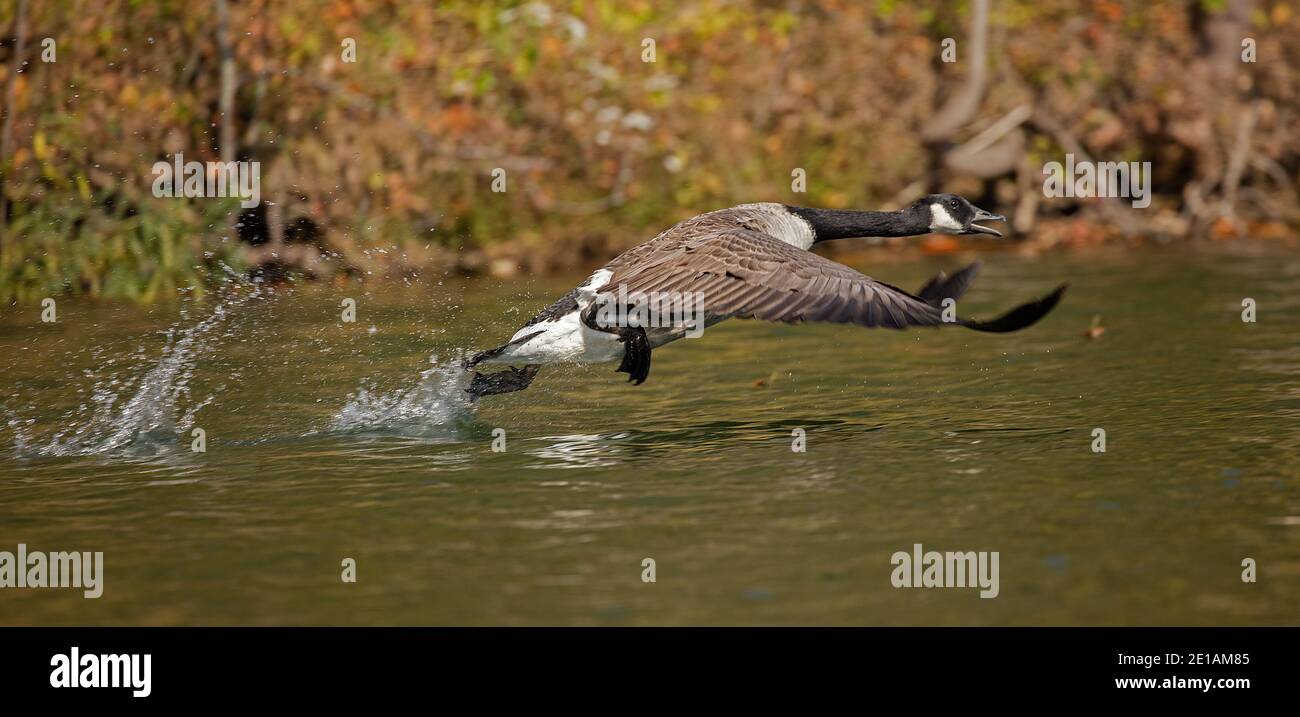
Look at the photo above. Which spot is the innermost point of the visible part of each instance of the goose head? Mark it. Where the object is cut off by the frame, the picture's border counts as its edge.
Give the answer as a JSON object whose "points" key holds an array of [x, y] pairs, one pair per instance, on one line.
{"points": [[952, 214]]}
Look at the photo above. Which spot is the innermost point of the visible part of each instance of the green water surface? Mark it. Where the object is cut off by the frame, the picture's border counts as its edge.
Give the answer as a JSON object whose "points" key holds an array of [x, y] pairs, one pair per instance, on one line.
{"points": [[324, 442]]}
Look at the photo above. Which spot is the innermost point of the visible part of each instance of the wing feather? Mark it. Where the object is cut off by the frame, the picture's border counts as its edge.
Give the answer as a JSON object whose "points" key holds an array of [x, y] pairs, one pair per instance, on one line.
{"points": [[748, 274]]}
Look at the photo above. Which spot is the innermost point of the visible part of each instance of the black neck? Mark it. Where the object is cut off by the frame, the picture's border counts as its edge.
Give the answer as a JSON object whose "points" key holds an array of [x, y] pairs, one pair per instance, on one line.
{"points": [[846, 223]]}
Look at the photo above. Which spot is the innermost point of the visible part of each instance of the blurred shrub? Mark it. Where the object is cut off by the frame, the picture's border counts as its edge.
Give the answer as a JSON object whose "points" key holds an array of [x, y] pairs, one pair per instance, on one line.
{"points": [[388, 159]]}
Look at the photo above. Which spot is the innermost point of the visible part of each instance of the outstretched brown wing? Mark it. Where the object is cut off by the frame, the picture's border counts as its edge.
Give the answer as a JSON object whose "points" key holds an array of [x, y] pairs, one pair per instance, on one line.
{"points": [[747, 274]]}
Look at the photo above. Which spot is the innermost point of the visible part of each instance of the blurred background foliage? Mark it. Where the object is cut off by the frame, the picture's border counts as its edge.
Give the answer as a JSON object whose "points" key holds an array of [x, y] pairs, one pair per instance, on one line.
{"points": [[382, 167]]}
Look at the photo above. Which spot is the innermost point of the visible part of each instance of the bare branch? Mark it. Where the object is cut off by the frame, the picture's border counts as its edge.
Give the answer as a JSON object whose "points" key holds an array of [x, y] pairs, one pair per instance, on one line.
{"points": [[963, 105]]}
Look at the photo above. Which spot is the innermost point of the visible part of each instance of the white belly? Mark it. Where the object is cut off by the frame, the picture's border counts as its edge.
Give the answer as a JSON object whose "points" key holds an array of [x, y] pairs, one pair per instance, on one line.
{"points": [[565, 339]]}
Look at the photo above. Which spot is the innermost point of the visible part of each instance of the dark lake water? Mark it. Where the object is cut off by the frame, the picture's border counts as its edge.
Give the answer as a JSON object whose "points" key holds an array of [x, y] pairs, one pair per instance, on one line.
{"points": [[328, 440]]}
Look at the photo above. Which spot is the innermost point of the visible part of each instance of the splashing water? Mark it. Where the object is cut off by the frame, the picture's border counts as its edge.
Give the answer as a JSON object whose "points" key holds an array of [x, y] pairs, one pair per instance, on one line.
{"points": [[436, 406], [435, 403], [159, 406], [142, 403]]}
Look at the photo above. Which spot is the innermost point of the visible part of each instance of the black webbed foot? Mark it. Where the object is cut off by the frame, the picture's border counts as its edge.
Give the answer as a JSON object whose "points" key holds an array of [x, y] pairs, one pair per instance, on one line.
{"points": [[508, 381], [636, 357]]}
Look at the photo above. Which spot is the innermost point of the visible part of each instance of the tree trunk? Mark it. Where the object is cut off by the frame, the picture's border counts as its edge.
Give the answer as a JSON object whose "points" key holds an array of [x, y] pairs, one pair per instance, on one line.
{"points": [[226, 102], [7, 130]]}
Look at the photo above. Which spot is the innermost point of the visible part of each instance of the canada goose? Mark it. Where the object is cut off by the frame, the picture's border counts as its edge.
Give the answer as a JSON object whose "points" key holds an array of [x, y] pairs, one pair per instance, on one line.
{"points": [[750, 261]]}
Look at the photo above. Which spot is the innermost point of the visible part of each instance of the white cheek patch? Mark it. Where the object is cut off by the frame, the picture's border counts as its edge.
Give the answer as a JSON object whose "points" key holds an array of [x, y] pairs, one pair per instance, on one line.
{"points": [[943, 222]]}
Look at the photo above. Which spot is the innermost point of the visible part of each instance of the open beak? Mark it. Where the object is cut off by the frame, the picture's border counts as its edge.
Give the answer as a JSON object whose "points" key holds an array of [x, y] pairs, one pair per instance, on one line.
{"points": [[983, 216]]}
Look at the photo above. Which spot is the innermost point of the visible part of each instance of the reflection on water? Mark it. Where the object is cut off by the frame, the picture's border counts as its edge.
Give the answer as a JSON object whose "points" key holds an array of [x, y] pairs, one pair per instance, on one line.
{"points": [[327, 440], [577, 451]]}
